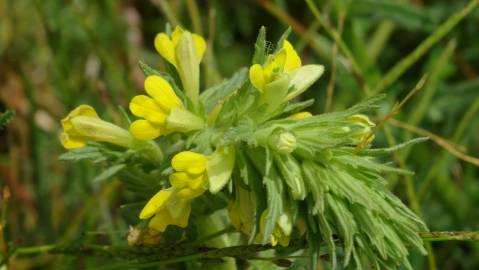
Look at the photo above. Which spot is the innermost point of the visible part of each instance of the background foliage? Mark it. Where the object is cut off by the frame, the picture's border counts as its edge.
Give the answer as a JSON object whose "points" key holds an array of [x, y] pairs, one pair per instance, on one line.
{"points": [[55, 55]]}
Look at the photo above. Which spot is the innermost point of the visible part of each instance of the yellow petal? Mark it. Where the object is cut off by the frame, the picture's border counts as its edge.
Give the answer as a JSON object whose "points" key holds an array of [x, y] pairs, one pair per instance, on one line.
{"points": [[161, 90], [197, 182], [163, 218], [175, 36], [256, 76], [178, 208], [144, 130], [293, 61], [146, 107], [200, 46], [165, 48], [82, 110], [156, 203], [301, 115], [187, 193], [191, 162], [70, 142], [179, 179], [275, 65], [160, 221]]}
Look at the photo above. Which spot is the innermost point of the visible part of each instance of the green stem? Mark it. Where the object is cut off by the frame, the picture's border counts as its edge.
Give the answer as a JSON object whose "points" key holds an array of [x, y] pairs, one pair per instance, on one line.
{"points": [[450, 236], [35, 249]]}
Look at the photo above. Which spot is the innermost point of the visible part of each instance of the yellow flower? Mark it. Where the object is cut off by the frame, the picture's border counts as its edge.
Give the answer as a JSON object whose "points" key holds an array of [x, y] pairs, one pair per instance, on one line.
{"points": [[83, 124], [167, 46], [301, 115], [184, 50], [166, 209], [162, 111], [285, 60], [190, 177], [172, 206]]}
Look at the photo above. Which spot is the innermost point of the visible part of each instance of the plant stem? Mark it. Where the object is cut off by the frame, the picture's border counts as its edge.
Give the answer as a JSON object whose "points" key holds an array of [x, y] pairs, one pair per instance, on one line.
{"points": [[450, 236], [35, 249]]}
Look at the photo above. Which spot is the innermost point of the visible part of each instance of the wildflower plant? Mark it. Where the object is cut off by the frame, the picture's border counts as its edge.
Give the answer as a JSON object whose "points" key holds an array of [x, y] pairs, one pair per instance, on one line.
{"points": [[245, 154]]}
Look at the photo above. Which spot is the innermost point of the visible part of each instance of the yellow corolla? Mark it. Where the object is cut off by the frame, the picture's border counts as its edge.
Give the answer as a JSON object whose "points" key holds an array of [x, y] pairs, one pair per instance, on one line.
{"points": [[167, 46], [83, 124], [285, 60], [172, 206], [162, 111], [190, 177], [166, 209]]}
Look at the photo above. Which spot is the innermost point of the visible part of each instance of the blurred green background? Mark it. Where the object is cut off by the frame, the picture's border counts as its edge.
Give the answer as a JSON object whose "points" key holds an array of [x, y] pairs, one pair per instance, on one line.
{"points": [[55, 55]]}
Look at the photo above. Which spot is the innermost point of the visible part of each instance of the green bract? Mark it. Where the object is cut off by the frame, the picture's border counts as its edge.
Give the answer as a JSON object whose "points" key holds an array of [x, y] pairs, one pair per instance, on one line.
{"points": [[282, 176]]}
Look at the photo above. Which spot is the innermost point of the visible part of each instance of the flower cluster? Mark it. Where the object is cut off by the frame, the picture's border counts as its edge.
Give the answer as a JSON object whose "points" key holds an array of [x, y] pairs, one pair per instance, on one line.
{"points": [[278, 172], [172, 206]]}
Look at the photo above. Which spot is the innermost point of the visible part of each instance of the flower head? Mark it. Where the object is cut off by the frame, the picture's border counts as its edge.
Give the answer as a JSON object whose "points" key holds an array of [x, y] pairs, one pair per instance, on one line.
{"points": [[83, 124], [162, 111]]}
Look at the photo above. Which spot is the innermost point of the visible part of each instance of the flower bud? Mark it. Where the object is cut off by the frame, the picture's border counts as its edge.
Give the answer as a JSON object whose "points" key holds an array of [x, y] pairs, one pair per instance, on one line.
{"points": [[364, 131], [283, 142]]}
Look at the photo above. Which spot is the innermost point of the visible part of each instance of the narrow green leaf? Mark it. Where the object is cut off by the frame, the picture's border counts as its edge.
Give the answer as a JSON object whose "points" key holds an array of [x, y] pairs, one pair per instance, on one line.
{"points": [[108, 173], [214, 95], [259, 56]]}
